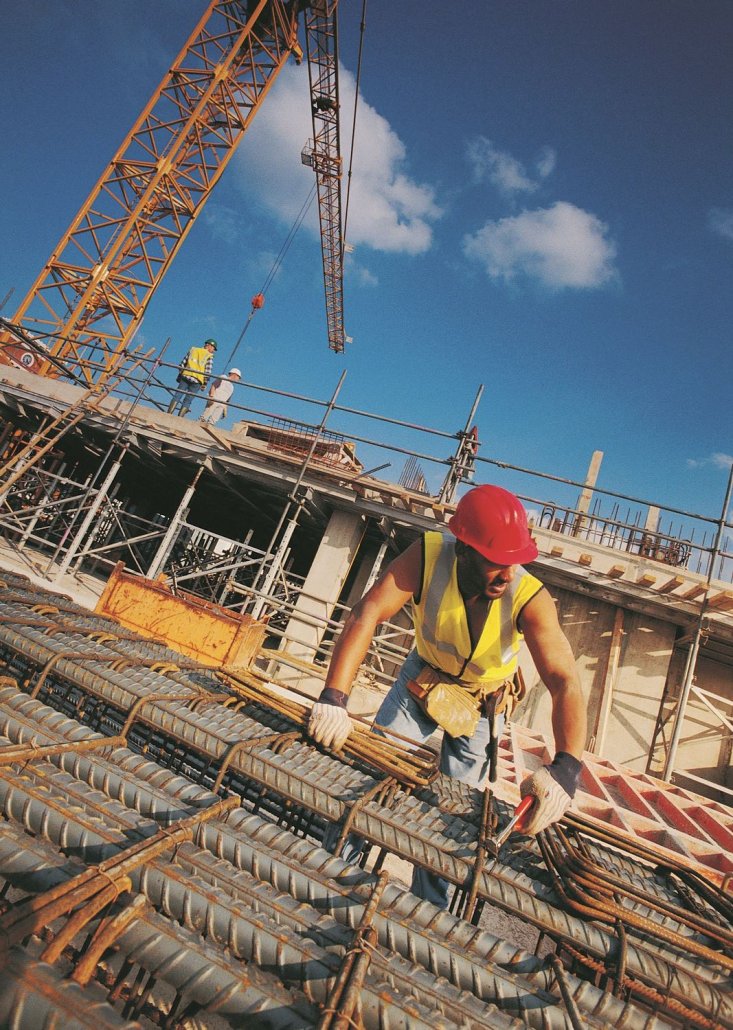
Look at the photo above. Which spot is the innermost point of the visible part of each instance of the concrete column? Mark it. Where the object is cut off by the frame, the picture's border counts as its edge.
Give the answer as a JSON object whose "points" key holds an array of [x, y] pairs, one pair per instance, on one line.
{"points": [[586, 495], [598, 742], [323, 585], [368, 573], [652, 519]]}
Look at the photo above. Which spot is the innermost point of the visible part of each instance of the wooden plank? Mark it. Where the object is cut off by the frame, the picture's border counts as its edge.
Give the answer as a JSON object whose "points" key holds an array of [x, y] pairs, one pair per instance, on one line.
{"points": [[693, 592], [670, 585], [217, 436], [616, 571], [556, 552], [585, 559], [722, 602], [646, 580]]}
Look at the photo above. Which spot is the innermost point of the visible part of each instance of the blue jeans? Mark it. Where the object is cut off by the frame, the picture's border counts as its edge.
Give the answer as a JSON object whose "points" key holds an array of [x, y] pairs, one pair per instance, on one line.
{"points": [[462, 758], [183, 396]]}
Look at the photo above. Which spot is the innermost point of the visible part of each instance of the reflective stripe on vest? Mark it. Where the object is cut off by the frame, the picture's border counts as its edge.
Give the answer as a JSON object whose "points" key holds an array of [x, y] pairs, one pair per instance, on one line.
{"points": [[442, 635], [195, 367]]}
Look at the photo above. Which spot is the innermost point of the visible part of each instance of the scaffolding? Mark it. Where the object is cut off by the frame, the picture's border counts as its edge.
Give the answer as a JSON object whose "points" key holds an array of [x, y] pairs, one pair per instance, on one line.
{"points": [[78, 518]]}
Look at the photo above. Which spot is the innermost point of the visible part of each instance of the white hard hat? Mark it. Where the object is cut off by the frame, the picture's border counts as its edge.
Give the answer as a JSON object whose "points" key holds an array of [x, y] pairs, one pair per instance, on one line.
{"points": [[235, 372]]}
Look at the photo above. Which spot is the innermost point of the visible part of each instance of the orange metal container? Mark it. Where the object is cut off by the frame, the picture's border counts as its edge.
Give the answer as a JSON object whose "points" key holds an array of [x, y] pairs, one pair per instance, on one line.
{"points": [[213, 635]]}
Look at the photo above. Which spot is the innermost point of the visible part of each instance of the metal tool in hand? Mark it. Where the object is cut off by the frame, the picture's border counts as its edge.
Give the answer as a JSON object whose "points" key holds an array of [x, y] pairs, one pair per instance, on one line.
{"points": [[520, 812]]}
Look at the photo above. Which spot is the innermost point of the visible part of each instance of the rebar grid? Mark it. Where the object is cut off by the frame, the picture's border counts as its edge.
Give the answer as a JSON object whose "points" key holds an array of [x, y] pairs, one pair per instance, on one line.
{"points": [[585, 886], [66, 758], [439, 826], [248, 918]]}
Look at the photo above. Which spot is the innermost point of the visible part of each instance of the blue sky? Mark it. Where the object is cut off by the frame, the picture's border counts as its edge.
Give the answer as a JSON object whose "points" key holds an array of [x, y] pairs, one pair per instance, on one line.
{"points": [[542, 202]]}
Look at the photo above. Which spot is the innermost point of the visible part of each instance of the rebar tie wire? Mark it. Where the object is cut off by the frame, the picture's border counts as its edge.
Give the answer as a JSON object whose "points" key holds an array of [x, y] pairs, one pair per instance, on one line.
{"points": [[587, 888], [465, 902], [378, 793], [94, 888], [343, 998], [239, 746]]}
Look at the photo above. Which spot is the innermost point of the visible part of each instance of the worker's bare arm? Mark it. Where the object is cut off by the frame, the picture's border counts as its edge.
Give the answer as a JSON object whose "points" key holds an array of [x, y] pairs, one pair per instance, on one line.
{"points": [[555, 663], [389, 594]]}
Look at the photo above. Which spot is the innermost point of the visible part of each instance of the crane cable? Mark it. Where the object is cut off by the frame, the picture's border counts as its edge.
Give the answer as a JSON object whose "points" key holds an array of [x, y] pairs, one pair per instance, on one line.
{"points": [[311, 196], [275, 267], [362, 28]]}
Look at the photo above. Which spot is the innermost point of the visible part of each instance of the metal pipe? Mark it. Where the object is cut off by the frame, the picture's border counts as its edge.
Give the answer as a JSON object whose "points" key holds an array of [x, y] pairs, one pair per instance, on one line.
{"points": [[293, 505], [90, 515], [451, 481], [167, 542], [695, 646]]}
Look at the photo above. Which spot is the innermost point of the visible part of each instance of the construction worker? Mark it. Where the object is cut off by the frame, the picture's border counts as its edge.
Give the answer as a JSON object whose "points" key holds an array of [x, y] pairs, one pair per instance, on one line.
{"points": [[220, 393], [472, 603], [193, 375]]}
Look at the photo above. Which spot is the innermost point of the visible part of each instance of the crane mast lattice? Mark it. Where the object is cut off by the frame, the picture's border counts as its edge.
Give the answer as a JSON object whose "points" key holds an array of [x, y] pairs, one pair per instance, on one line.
{"points": [[323, 154], [90, 297]]}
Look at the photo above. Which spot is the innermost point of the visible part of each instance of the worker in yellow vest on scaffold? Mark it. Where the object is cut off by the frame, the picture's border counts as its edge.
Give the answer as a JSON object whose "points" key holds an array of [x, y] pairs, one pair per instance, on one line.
{"points": [[472, 604], [193, 375]]}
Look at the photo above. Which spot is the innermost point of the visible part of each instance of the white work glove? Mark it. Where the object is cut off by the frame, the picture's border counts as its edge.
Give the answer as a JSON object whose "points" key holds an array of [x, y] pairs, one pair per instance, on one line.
{"points": [[553, 787], [329, 722]]}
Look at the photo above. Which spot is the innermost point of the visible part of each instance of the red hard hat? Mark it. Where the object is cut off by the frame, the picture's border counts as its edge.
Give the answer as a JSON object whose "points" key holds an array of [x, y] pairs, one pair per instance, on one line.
{"points": [[494, 522]]}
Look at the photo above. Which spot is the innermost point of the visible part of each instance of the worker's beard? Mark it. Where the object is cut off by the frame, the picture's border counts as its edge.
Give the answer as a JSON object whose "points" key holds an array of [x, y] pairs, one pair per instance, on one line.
{"points": [[473, 582]]}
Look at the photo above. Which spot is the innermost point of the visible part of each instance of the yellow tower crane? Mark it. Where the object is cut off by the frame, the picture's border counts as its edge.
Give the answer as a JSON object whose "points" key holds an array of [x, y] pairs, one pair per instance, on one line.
{"points": [[90, 297]]}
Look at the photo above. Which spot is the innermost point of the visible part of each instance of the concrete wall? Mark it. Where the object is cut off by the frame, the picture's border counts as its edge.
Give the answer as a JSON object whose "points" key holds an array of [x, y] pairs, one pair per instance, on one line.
{"points": [[645, 650]]}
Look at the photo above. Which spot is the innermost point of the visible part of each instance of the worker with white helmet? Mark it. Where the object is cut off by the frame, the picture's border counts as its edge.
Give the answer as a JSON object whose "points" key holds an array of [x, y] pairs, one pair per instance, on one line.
{"points": [[472, 604], [219, 396]]}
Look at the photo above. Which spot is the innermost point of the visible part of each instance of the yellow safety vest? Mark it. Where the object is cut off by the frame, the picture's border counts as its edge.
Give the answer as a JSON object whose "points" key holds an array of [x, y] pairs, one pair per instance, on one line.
{"points": [[195, 367], [442, 635]]}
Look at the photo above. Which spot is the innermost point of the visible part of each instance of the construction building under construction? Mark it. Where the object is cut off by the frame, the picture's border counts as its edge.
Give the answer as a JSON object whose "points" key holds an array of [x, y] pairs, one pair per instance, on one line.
{"points": [[170, 593]]}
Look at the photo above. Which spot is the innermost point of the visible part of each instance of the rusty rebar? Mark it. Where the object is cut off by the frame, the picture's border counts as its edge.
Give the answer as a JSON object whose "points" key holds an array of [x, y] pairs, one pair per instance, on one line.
{"points": [[344, 993], [19, 754], [109, 878]]}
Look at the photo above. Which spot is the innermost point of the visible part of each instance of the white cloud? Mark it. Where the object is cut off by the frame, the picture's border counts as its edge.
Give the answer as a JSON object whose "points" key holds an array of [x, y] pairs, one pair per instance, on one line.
{"points": [[718, 460], [562, 247], [720, 220], [499, 167], [545, 163], [364, 276], [388, 210], [222, 221], [504, 171]]}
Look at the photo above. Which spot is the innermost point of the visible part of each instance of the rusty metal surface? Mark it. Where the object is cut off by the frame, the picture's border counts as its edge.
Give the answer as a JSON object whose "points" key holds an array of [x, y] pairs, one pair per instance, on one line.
{"points": [[99, 805], [250, 895], [85, 835]]}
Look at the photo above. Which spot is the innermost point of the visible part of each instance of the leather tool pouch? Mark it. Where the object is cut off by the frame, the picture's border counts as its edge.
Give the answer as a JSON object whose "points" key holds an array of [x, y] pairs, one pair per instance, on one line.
{"points": [[446, 702], [456, 710], [512, 693]]}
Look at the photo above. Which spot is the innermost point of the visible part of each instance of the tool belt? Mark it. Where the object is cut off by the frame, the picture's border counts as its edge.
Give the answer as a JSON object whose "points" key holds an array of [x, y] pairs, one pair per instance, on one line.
{"points": [[457, 708]]}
